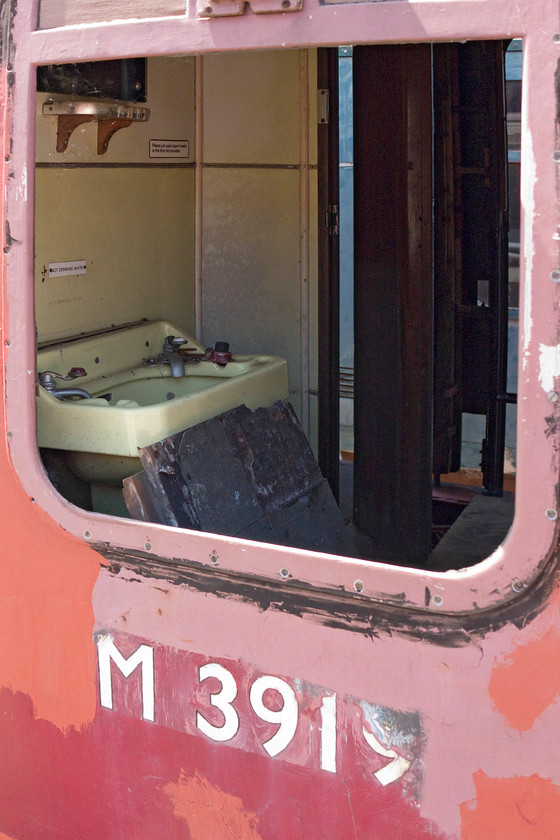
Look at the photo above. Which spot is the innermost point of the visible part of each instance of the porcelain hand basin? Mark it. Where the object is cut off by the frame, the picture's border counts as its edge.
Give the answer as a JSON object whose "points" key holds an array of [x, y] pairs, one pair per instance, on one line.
{"points": [[136, 403]]}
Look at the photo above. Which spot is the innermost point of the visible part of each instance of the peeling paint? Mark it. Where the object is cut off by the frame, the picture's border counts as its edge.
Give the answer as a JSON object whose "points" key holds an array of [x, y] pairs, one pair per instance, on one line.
{"points": [[21, 192], [68, 772], [528, 199], [46, 617], [519, 808], [209, 812], [335, 609], [549, 366], [527, 681]]}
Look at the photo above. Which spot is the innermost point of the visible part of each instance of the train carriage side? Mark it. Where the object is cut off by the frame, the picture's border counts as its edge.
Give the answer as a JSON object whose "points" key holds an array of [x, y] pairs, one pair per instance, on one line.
{"points": [[187, 678]]}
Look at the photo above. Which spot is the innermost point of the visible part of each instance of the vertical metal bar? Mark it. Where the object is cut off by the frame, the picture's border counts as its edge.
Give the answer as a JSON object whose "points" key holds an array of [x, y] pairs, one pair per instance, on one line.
{"points": [[496, 418], [199, 158], [329, 306], [304, 235]]}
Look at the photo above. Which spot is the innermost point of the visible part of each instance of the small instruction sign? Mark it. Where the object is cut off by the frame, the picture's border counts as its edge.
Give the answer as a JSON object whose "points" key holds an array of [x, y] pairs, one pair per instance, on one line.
{"points": [[169, 148], [62, 269]]}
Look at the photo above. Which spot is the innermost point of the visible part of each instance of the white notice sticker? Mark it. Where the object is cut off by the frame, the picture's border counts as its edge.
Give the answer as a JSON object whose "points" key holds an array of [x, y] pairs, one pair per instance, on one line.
{"points": [[62, 269], [169, 148]]}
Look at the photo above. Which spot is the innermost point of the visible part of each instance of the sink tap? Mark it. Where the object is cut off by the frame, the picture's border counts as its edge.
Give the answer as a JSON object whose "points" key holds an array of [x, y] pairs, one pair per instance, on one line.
{"points": [[48, 380], [64, 393], [171, 355]]}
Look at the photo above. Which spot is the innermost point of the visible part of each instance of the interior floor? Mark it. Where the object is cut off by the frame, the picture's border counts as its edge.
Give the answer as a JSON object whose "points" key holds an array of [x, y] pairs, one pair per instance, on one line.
{"points": [[467, 525]]}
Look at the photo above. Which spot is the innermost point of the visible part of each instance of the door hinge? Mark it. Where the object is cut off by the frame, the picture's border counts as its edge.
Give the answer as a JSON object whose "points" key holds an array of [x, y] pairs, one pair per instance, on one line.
{"points": [[331, 219]]}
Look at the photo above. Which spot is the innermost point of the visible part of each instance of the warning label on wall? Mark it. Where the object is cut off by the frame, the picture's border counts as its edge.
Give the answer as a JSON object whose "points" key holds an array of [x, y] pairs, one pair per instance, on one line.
{"points": [[169, 148], [61, 269]]}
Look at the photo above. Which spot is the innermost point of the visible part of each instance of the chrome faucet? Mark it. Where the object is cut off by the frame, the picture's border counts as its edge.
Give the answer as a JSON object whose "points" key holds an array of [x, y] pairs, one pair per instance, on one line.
{"points": [[48, 381], [171, 355]]}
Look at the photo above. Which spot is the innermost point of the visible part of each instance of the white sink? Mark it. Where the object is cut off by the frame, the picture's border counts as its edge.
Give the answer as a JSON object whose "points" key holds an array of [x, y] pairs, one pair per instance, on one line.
{"points": [[136, 403]]}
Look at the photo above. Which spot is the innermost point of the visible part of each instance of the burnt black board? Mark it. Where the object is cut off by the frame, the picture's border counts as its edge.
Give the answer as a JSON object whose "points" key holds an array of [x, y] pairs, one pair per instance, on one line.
{"points": [[243, 473]]}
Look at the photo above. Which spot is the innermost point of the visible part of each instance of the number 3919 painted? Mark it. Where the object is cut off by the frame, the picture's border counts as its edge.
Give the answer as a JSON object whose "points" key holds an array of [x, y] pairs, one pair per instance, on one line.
{"points": [[269, 713]]}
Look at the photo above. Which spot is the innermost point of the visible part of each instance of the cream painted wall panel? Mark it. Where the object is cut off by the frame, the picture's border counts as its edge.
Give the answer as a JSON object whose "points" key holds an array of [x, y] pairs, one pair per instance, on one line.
{"points": [[134, 228], [251, 263], [170, 87], [251, 110], [312, 70]]}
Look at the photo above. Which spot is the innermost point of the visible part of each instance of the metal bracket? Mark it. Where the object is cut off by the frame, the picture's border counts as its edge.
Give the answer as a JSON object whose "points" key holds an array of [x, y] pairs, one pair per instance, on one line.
{"points": [[110, 117], [331, 219], [225, 8], [322, 106], [105, 130]]}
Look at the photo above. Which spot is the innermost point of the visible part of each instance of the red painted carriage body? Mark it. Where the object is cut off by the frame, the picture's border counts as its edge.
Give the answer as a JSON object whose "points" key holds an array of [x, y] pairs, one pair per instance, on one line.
{"points": [[159, 683]]}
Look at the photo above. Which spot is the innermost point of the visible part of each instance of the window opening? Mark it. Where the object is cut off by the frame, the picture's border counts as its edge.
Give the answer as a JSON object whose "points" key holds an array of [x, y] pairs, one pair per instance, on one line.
{"points": [[118, 79], [346, 214], [448, 153], [473, 420]]}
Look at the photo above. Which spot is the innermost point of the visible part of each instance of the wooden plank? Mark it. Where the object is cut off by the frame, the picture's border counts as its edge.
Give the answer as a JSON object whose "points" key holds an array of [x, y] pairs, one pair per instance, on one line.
{"points": [[140, 501], [219, 489], [312, 521], [274, 450], [477, 532], [474, 478], [55, 13], [393, 373]]}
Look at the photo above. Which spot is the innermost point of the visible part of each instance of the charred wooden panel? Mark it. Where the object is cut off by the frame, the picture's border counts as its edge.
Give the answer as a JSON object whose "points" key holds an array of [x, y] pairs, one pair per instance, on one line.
{"points": [[393, 299], [481, 220], [447, 386], [245, 473], [328, 271]]}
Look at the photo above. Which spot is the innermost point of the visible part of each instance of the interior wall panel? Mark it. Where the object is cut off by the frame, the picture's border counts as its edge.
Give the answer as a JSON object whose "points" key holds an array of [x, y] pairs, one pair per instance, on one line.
{"points": [[148, 273]]}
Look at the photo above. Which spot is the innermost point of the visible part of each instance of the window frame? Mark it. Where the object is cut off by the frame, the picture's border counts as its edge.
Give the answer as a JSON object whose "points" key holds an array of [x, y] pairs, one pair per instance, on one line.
{"points": [[518, 562]]}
